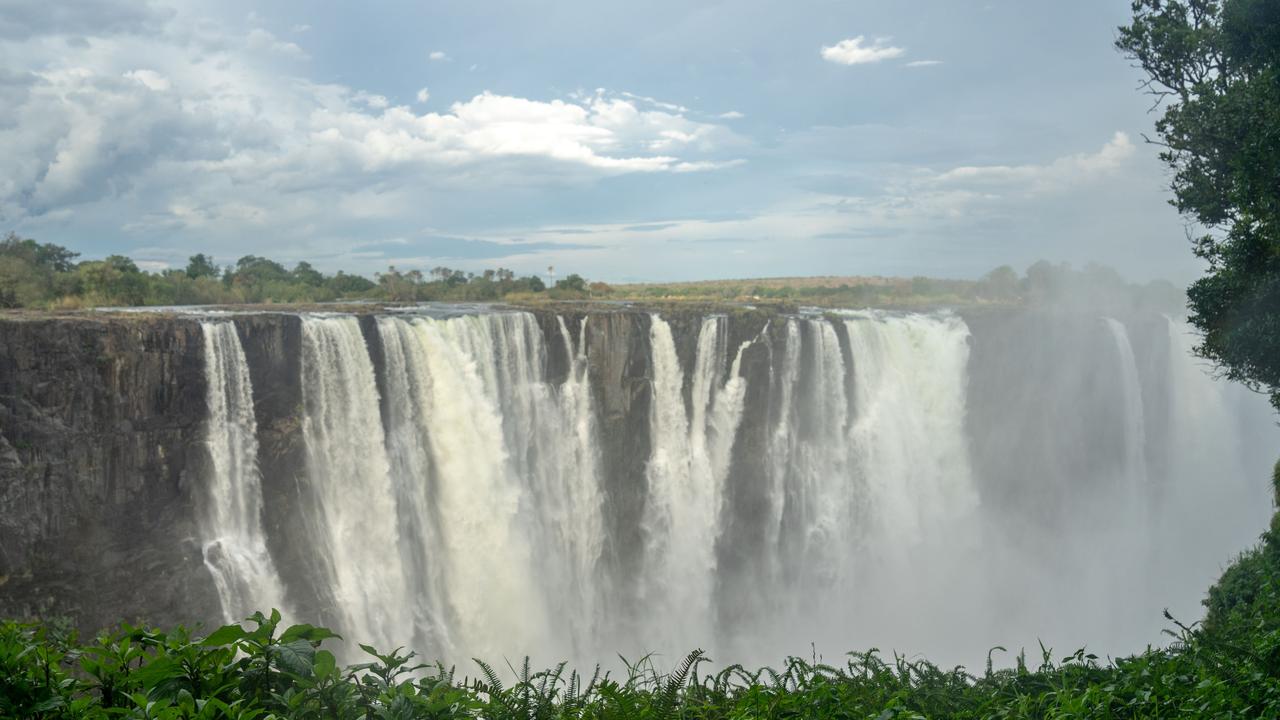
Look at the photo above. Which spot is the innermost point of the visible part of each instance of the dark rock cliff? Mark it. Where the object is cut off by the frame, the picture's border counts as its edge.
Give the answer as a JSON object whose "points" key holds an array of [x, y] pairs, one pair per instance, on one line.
{"points": [[102, 457], [100, 460]]}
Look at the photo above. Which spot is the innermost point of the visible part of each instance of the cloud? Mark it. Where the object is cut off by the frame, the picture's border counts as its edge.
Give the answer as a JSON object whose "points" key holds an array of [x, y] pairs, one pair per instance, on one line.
{"points": [[439, 56], [423, 95], [1013, 213], [923, 63], [264, 40], [300, 28], [227, 142], [423, 252], [608, 135], [731, 115], [672, 107], [151, 79], [22, 19], [1064, 171], [853, 52], [370, 100]]}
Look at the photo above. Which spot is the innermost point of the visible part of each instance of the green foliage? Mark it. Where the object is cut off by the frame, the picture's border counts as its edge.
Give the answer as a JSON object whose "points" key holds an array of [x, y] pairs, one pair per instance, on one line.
{"points": [[201, 266], [572, 283], [1229, 668], [44, 275], [1215, 64]]}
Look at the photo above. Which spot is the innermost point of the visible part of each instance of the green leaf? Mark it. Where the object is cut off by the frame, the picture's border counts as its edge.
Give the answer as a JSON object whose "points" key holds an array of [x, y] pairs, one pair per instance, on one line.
{"points": [[156, 672], [225, 635], [325, 663], [295, 657], [307, 632]]}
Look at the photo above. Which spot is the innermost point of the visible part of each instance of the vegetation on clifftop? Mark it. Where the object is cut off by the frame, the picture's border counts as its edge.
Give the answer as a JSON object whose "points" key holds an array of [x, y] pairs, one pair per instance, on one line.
{"points": [[47, 276]]}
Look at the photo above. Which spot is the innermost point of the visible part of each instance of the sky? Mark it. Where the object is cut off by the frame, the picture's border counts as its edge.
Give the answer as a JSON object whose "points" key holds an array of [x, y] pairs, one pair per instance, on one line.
{"points": [[625, 141]]}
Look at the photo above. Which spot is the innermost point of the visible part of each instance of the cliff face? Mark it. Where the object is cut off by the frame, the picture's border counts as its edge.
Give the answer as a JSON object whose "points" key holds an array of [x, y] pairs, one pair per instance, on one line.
{"points": [[103, 466], [99, 458]]}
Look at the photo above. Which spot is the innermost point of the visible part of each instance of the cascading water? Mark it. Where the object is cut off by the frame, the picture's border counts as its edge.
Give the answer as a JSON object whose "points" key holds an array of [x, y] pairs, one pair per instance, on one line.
{"points": [[235, 549], [911, 458], [452, 377], [686, 475], [349, 483], [1134, 424], [822, 481]]}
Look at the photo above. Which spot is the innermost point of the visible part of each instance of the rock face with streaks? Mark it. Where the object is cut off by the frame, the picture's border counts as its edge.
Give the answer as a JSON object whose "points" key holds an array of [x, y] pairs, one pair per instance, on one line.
{"points": [[100, 425]]}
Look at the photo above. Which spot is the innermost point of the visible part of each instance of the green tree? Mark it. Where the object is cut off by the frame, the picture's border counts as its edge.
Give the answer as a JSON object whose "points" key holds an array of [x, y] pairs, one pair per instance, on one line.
{"points": [[257, 277], [343, 284], [1215, 66], [574, 282], [202, 265], [399, 286], [116, 280], [305, 274]]}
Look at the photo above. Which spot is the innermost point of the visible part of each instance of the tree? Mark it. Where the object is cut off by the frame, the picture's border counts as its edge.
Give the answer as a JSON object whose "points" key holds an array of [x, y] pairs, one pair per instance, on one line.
{"points": [[573, 282], [397, 286], [255, 277], [344, 284], [202, 265], [1215, 66], [115, 280], [305, 274], [1001, 283]]}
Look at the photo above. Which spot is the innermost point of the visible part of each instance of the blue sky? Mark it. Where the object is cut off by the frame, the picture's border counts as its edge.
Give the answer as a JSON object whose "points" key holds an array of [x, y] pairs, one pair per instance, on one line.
{"points": [[624, 141]]}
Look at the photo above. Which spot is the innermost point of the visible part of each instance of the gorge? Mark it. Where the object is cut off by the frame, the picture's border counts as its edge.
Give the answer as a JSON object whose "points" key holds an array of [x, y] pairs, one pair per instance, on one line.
{"points": [[574, 482]]}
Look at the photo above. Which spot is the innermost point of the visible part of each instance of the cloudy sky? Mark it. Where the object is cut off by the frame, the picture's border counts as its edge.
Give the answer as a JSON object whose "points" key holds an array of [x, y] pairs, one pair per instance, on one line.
{"points": [[653, 140]]}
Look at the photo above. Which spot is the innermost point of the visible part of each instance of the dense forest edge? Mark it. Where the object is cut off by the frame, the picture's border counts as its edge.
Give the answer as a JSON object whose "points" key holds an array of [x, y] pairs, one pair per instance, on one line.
{"points": [[45, 276], [1227, 666]]}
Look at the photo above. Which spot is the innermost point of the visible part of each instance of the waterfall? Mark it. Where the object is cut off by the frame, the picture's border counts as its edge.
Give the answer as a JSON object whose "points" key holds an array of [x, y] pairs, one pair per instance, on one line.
{"points": [[686, 475], [819, 491], [821, 482], [499, 469], [348, 478], [235, 549], [1135, 436], [1211, 476], [908, 428]]}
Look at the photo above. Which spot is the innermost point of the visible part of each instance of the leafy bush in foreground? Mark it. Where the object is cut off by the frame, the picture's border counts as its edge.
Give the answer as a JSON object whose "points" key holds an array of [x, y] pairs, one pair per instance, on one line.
{"points": [[268, 672]]}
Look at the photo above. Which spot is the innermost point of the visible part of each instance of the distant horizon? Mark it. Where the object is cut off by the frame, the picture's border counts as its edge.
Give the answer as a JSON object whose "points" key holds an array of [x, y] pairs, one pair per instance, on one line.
{"points": [[477, 269]]}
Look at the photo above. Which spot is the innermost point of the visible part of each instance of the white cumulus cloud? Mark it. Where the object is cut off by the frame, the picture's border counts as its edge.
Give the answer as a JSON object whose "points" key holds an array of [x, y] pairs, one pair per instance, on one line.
{"points": [[855, 51], [1064, 171], [227, 140]]}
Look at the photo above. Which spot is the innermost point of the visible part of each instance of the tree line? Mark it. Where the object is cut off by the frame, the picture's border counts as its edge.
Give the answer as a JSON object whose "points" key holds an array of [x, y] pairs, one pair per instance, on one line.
{"points": [[45, 275]]}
